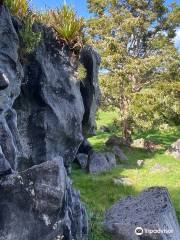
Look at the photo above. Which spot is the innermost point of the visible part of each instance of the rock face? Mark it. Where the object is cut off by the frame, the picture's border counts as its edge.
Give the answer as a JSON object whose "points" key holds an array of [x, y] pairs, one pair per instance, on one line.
{"points": [[50, 108], [40, 204], [5, 167], [43, 110], [91, 60], [101, 162], [10, 70], [151, 210], [82, 159], [4, 81]]}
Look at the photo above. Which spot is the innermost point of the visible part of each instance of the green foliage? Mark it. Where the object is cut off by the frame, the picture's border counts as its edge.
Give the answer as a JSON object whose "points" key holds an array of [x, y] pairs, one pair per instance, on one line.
{"points": [[81, 72], [68, 27], [156, 105], [98, 191], [17, 8], [135, 41], [29, 38]]}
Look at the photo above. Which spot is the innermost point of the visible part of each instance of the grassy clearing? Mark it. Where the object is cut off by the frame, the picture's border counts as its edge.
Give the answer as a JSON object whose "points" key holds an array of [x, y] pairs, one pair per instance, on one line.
{"points": [[99, 192]]}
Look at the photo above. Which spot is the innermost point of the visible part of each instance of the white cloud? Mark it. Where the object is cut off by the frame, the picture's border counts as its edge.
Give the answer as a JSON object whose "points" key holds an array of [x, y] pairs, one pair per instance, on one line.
{"points": [[177, 38]]}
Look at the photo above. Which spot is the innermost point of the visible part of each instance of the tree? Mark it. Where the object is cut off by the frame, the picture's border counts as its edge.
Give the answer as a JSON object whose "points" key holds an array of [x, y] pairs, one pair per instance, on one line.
{"points": [[135, 40]]}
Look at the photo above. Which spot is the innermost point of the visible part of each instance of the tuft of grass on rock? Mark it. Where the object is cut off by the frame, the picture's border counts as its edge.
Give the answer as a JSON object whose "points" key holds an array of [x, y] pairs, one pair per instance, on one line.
{"points": [[66, 24], [18, 8]]}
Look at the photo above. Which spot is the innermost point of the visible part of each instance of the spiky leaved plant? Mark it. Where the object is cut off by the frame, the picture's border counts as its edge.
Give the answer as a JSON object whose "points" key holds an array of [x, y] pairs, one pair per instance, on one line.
{"points": [[67, 25], [17, 8]]}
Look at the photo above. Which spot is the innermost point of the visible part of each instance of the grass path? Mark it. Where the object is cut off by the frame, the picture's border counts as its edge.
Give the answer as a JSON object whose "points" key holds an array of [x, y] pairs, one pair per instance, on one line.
{"points": [[98, 191]]}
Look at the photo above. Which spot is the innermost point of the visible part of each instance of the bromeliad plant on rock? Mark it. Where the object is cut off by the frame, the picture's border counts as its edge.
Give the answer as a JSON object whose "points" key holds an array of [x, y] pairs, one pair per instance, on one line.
{"points": [[67, 26]]}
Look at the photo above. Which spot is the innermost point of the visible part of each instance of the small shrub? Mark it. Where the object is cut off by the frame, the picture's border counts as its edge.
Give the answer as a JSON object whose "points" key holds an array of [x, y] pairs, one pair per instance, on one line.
{"points": [[81, 72], [29, 38], [68, 27], [18, 8]]}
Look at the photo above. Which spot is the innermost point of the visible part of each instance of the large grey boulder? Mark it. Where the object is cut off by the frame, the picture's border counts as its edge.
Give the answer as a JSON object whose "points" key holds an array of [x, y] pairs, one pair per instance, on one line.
{"points": [[120, 154], [101, 162], [90, 88], [40, 204], [151, 215]]}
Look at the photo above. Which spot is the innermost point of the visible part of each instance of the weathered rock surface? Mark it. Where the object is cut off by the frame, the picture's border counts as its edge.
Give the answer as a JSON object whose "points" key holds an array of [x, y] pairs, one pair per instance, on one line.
{"points": [[91, 60], [122, 181], [120, 154], [10, 80], [43, 110], [174, 149], [50, 108], [5, 167], [151, 210], [4, 81], [101, 162], [40, 204], [82, 159], [45, 105]]}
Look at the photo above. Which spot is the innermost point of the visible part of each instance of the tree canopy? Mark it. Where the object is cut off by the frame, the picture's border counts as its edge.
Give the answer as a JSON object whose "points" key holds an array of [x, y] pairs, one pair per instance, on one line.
{"points": [[140, 64]]}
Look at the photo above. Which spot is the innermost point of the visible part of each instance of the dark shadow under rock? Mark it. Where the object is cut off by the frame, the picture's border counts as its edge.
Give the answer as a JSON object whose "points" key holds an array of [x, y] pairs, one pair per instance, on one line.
{"points": [[82, 160]]}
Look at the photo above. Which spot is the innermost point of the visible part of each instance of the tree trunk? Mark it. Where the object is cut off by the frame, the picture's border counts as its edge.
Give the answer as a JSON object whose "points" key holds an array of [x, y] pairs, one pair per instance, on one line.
{"points": [[126, 123], [127, 131]]}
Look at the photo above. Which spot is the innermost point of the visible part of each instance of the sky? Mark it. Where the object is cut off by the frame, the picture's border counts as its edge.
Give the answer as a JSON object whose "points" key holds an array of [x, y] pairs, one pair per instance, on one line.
{"points": [[81, 9]]}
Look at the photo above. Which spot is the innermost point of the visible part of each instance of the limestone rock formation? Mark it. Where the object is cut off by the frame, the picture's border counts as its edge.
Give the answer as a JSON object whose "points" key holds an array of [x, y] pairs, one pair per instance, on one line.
{"points": [[40, 204], [42, 115], [11, 69], [101, 162], [49, 103], [149, 216], [91, 60], [4, 81], [82, 159]]}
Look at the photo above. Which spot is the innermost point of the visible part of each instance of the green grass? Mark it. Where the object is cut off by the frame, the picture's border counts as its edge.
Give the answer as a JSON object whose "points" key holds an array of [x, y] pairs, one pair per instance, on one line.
{"points": [[98, 191]]}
